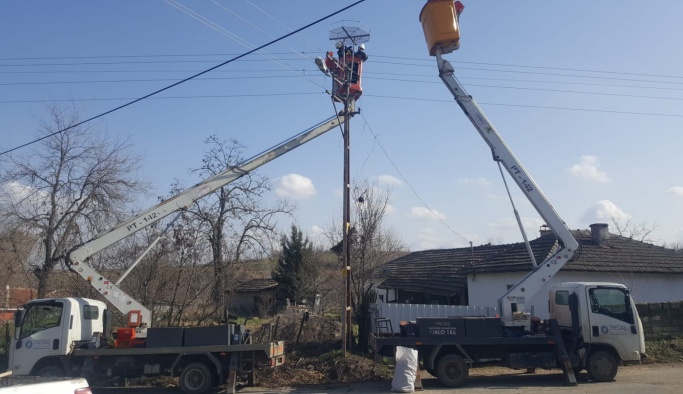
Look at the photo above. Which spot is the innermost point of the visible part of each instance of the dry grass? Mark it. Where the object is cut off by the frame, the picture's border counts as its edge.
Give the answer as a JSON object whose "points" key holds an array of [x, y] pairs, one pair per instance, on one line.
{"points": [[664, 351], [320, 363]]}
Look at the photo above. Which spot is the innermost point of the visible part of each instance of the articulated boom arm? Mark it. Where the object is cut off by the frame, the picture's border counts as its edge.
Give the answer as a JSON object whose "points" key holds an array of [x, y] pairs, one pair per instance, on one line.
{"points": [[110, 290], [512, 302]]}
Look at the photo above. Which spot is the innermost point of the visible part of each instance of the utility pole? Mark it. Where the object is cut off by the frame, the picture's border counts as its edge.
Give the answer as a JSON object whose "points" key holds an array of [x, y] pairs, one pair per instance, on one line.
{"points": [[350, 39], [347, 326]]}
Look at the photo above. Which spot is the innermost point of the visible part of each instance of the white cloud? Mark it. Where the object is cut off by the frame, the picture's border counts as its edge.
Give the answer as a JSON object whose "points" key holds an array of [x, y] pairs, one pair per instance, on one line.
{"points": [[424, 213], [427, 238], [16, 192], [389, 180], [495, 197], [315, 229], [389, 209], [475, 181], [588, 168], [317, 236], [603, 211], [509, 225], [677, 190], [295, 186]]}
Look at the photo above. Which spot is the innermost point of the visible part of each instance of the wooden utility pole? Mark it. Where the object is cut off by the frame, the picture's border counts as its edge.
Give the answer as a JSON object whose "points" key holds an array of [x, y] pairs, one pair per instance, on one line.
{"points": [[355, 37]]}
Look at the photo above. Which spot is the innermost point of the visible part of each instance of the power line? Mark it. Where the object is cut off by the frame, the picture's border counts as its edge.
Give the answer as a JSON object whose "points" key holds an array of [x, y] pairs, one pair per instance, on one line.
{"points": [[376, 139], [317, 93], [304, 53], [377, 78], [382, 96], [161, 98], [234, 36], [533, 106], [406, 74], [188, 78]]}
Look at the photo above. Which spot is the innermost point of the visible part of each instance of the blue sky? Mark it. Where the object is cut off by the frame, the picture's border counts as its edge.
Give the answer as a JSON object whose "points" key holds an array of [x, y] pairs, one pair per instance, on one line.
{"points": [[586, 93]]}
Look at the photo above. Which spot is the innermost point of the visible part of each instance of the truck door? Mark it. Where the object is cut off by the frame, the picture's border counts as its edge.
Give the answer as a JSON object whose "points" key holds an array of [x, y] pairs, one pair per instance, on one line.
{"points": [[40, 333], [613, 320]]}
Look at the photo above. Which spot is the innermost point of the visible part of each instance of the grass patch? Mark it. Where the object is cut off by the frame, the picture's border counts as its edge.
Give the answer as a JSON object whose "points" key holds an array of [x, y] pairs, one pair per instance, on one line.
{"points": [[664, 351]]}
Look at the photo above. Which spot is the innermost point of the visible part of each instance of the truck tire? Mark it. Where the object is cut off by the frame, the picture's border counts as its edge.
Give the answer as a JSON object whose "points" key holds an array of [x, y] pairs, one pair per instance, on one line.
{"points": [[602, 366], [51, 371], [452, 370], [196, 378]]}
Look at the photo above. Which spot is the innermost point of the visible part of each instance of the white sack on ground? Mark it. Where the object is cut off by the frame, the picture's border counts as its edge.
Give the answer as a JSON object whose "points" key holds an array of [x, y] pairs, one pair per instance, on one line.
{"points": [[406, 368]]}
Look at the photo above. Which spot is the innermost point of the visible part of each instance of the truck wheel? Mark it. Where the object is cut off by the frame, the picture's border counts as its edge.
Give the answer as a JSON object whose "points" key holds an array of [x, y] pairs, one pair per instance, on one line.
{"points": [[196, 378], [602, 366], [51, 371], [452, 370]]}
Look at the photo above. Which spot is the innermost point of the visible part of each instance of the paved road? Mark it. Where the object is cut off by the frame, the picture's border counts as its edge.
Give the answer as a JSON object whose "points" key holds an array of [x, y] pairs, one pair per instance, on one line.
{"points": [[663, 379]]}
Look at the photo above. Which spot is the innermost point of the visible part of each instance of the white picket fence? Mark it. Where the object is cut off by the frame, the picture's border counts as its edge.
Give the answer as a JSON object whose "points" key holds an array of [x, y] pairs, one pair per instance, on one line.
{"points": [[409, 312]]}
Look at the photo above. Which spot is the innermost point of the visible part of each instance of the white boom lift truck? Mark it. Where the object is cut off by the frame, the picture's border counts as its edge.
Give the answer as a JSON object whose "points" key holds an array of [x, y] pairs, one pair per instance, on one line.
{"points": [[592, 326], [67, 336]]}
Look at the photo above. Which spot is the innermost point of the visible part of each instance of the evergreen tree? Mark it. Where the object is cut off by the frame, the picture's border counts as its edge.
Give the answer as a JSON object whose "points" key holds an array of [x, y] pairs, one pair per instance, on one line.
{"points": [[295, 270]]}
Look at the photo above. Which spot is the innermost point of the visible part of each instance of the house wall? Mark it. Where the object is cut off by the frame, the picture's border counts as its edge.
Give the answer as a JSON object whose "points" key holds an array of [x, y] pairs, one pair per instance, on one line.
{"points": [[243, 304], [484, 289]]}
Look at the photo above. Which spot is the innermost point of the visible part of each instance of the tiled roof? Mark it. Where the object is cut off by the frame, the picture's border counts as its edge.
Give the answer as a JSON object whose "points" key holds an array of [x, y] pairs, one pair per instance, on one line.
{"points": [[255, 285], [437, 270], [444, 271], [621, 254], [614, 254]]}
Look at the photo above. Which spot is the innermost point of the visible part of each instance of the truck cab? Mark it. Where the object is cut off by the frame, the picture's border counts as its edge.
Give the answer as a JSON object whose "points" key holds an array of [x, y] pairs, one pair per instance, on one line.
{"points": [[47, 329], [602, 314]]}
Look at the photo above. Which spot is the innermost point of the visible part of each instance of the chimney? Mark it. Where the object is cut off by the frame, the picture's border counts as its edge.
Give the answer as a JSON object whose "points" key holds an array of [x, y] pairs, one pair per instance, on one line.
{"points": [[545, 230], [599, 232]]}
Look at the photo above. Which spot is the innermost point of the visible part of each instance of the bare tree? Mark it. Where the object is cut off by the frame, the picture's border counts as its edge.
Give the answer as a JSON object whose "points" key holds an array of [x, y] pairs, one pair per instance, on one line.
{"points": [[235, 221], [626, 227], [171, 279], [329, 284], [69, 186], [372, 245], [15, 248]]}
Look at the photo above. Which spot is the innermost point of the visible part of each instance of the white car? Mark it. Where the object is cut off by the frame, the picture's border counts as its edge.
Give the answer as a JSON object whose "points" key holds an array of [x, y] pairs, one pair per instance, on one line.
{"points": [[61, 386]]}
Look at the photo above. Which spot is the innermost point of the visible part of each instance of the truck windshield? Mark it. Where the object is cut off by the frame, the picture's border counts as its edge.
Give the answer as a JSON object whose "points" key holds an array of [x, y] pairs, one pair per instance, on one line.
{"points": [[39, 317], [611, 302]]}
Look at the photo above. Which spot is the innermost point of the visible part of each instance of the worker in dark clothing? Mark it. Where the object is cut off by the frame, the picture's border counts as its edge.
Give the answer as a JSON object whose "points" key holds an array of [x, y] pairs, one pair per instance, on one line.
{"points": [[361, 52]]}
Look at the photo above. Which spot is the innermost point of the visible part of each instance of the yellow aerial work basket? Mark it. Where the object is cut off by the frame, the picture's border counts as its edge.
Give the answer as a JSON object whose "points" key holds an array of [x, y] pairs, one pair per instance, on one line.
{"points": [[439, 20]]}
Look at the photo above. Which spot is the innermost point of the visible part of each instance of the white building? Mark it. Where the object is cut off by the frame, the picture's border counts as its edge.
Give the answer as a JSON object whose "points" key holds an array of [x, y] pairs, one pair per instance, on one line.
{"points": [[478, 276]]}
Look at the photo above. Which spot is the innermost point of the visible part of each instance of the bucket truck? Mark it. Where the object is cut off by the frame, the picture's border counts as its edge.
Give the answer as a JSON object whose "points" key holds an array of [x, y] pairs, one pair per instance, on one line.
{"points": [[592, 326], [69, 336]]}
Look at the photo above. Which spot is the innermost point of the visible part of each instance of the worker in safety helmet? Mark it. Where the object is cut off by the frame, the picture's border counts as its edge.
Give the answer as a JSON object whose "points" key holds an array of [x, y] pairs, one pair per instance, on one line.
{"points": [[361, 52], [340, 48]]}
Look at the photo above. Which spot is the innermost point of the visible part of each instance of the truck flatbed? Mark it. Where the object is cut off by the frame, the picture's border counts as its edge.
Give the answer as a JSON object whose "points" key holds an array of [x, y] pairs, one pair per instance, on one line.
{"points": [[271, 349]]}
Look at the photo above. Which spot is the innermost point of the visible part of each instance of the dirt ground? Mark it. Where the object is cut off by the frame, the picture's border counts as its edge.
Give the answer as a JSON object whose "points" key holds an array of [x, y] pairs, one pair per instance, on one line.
{"points": [[638, 379], [319, 367]]}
